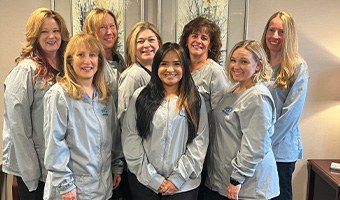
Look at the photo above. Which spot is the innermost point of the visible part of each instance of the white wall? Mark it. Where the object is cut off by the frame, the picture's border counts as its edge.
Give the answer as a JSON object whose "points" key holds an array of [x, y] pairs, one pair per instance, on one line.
{"points": [[319, 43], [318, 28]]}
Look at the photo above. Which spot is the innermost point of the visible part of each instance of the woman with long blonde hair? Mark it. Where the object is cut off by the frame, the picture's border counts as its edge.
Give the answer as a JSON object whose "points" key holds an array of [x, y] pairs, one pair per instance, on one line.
{"points": [[37, 67], [83, 147], [288, 87]]}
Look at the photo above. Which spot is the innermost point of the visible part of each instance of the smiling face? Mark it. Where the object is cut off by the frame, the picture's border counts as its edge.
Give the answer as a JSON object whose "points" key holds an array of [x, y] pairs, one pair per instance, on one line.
{"points": [[50, 37], [199, 43], [274, 35], [170, 70], [146, 47], [107, 34], [85, 64], [243, 66]]}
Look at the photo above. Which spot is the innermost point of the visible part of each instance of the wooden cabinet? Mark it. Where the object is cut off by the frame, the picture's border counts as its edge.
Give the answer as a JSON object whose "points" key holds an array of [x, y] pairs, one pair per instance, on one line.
{"points": [[323, 182]]}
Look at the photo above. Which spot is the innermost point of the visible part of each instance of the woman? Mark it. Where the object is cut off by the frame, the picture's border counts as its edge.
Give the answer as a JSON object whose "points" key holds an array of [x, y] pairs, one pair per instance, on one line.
{"points": [[40, 60], [83, 146], [241, 164], [201, 40], [165, 132], [141, 46], [102, 24], [288, 86]]}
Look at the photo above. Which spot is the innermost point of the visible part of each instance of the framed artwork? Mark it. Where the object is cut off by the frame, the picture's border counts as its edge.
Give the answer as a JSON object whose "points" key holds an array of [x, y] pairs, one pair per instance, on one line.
{"points": [[79, 9], [229, 15], [170, 16]]}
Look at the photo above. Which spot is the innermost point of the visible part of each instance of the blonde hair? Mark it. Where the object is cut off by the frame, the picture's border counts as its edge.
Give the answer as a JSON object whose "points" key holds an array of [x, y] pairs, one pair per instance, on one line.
{"points": [[131, 42], [258, 54], [69, 81], [289, 50], [94, 20], [32, 48]]}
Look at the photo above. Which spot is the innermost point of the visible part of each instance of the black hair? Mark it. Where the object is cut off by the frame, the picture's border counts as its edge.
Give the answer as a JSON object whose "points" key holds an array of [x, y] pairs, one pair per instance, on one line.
{"points": [[153, 94]]}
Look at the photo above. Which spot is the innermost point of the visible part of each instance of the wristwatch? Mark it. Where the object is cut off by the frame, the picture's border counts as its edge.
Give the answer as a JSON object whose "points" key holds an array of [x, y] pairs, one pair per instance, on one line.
{"points": [[234, 182]]}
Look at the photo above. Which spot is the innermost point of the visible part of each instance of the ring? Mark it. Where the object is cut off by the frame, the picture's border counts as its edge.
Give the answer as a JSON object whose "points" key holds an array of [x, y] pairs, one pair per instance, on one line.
{"points": [[166, 187]]}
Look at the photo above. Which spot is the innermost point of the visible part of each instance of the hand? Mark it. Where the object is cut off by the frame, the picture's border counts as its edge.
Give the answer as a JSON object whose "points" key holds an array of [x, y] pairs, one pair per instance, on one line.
{"points": [[233, 190], [167, 187], [72, 195], [116, 180]]}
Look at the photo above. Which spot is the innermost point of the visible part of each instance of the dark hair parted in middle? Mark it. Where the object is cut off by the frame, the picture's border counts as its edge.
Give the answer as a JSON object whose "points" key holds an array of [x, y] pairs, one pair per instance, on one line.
{"points": [[204, 25], [153, 94]]}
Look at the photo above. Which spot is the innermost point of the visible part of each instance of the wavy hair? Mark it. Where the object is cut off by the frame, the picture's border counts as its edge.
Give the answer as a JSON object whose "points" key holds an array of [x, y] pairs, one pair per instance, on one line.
{"points": [[289, 51], [258, 54], [33, 50], [153, 94], [94, 20], [70, 82], [131, 42], [204, 25]]}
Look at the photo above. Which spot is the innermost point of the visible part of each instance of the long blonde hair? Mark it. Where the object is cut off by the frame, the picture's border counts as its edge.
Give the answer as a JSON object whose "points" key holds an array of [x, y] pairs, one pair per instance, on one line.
{"points": [[131, 42], [255, 48], [70, 82], [32, 48], [289, 51]]}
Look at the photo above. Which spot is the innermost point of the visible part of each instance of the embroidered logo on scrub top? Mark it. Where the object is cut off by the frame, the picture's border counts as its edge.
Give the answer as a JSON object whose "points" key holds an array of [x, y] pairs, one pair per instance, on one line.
{"points": [[182, 114], [227, 110], [104, 111]]}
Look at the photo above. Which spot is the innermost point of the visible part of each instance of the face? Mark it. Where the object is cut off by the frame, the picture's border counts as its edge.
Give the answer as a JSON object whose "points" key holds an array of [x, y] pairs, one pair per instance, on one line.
{"points": [[199, 43], [85, 64], [147, 45], [243, 66], [170, 69], [107, 34], [274, 35], [50, 37]]}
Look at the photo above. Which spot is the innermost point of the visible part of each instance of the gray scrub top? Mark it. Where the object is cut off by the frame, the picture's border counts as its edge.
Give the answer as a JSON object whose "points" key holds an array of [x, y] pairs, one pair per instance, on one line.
{"points": [[23, 136], [83, 145], [165, 153], [130, 80], [242, 145], [287, 144]]}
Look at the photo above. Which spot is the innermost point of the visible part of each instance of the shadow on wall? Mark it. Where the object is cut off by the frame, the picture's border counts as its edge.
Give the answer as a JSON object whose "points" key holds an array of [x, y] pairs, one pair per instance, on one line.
{"points": [[324, 69]]}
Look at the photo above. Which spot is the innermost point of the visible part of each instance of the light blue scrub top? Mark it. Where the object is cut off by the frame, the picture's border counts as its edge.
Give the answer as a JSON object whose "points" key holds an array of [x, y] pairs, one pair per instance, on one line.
{"points": [[287, 145]]}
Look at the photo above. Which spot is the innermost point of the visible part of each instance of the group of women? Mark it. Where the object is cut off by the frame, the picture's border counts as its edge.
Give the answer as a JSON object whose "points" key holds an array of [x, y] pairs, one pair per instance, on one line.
{"points": [[167, 123]]}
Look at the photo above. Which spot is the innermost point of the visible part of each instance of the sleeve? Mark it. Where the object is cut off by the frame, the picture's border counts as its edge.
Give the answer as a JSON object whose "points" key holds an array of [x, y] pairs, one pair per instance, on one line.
{"points": [[191, 162], [18, 99], [117, 151], [292, 106], [255, 122], [219, 84], [57, 153], [127, 85], [134, 152]]}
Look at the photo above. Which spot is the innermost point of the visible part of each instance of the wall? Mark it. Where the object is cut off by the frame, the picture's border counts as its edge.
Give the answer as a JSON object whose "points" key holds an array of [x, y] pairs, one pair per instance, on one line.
{"points": [[319, 43]]}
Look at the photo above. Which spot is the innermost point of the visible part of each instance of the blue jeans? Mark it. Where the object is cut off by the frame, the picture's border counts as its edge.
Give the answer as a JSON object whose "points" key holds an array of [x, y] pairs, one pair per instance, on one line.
{"points": [[285, 170]]}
